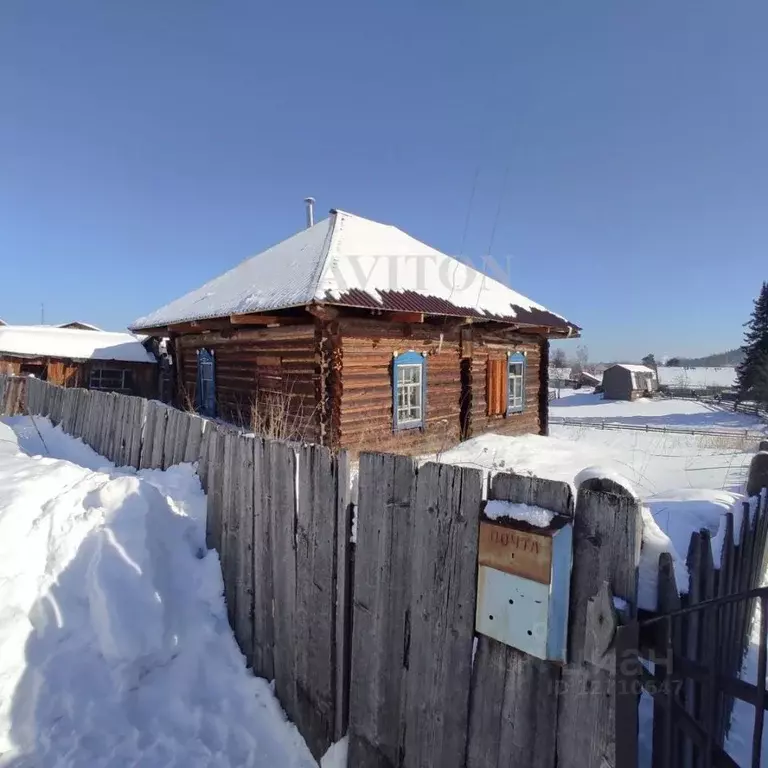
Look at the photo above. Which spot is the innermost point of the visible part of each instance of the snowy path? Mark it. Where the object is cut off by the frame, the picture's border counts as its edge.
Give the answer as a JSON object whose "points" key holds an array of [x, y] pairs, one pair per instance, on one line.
{"points": [[114, 644]]}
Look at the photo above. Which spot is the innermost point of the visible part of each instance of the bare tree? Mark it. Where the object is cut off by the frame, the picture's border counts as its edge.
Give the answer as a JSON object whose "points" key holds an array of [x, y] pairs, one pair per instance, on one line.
{"points": [[582, 359], [559, 360]]}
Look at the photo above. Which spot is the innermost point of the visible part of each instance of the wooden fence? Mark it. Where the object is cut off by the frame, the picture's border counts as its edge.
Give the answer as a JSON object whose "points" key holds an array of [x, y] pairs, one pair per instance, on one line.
{"points": [[279, 517], [418, 697], [376, 638], [12, 395], [736, 434], [741, 568]]}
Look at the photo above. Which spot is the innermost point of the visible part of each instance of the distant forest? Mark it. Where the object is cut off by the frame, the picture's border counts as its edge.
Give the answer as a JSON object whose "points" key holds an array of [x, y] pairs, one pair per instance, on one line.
{"points": [[730, 358]]}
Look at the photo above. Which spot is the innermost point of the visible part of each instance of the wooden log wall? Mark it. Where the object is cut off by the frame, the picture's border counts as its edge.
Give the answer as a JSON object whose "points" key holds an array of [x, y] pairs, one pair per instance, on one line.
{"points": [[452, 357], [486, 347], [365, 402], [274, 366], [64, 372]]}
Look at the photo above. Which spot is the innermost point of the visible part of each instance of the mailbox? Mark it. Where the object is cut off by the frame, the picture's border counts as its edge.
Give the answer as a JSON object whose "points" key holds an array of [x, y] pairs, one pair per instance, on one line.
{"points": [[523, 588]]}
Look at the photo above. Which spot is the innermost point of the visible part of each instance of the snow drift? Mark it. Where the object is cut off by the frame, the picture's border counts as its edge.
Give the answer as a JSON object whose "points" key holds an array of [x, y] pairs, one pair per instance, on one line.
{"points": [[114, 643]]}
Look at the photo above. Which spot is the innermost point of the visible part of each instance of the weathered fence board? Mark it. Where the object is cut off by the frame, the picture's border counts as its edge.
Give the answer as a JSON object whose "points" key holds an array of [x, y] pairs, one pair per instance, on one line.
{"points": [[242, 510], [229, 523], [315, 619], [414, 593], [344, 566], [442, 613], [606, 548], [386, 486], [263, 593], [280, 476]]}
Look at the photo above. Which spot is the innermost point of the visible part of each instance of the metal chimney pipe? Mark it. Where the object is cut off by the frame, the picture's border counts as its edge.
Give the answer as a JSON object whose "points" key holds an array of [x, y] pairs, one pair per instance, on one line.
{"points": [[310, 201]]}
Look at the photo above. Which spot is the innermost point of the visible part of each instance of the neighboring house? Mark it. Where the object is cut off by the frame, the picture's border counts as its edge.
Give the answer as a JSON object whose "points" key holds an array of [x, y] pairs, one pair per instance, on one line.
{"points": [[116, 362], [587, 379], [624, 381], [357, 335], [698, 381], [560, 377], [79, 326]]}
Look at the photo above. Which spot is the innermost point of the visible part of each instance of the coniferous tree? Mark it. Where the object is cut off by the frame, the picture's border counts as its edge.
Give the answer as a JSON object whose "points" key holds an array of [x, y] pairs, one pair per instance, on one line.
{"points": [[759, 391], [752, 372]]}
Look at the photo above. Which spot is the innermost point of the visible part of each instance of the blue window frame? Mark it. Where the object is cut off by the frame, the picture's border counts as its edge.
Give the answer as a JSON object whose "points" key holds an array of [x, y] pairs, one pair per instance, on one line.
{"points": [[516, 382], [205, 392], [409, 390]]}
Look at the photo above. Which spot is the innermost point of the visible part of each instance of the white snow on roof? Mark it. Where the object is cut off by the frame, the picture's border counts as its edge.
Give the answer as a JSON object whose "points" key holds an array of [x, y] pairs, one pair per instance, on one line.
{"points": [[337, 255], [559, 373], [635, 368], [86, 326], [697, 378], [48, 341]]}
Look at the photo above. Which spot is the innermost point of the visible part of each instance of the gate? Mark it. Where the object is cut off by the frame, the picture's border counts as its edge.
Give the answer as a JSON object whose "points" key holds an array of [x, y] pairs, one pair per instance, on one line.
{"points": [[693, 683]]}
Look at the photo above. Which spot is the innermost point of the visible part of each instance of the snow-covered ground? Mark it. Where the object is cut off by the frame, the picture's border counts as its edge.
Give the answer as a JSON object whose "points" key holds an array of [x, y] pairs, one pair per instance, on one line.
{"points": [[685, 481], [587, 406], [114, 644]]}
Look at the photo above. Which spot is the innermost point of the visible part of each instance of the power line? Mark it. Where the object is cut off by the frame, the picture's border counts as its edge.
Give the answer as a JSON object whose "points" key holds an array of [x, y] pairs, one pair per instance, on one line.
{"points": [[498, 209]]}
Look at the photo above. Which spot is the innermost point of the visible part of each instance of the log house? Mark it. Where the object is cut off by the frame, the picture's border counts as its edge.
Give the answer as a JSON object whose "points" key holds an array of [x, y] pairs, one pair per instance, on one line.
{"points": [[353, 334]]}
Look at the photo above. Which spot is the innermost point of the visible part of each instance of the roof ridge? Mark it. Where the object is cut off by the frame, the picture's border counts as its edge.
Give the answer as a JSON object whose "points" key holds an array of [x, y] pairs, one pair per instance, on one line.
{"points": [[326, 259]]}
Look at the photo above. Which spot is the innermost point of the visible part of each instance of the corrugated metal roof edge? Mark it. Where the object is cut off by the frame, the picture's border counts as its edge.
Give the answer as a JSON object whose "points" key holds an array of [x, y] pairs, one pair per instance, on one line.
{"points": [[427, 307]]}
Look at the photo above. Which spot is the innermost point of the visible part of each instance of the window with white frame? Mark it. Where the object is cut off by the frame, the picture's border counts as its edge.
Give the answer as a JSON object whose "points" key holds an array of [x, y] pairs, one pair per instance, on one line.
{"points": [[110, 379], [409, 390], [515, 382]]}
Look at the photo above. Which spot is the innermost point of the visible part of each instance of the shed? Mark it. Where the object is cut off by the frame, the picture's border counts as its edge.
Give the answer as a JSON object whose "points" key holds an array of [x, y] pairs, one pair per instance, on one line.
{"points": [[587, 379], [560, 377], [116, 362], [352, 333], [625, 381]]}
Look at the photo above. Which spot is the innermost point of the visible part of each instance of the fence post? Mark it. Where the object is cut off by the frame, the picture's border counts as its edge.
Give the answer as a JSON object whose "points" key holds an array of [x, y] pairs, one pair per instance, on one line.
{"points": [[758, 472], [414, 613], [607, 538]]}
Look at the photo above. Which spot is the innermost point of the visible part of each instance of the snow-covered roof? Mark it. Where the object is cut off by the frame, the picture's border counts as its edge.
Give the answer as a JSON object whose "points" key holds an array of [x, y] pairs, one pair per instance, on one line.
{"points": [[79, 324], [352, 261], [635, 368], [697, 378], [559, 373], [49, 341]]}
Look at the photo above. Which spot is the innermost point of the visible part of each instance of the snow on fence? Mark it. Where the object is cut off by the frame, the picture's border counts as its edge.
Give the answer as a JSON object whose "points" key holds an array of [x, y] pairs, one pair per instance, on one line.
{"points": [[376, 637]]}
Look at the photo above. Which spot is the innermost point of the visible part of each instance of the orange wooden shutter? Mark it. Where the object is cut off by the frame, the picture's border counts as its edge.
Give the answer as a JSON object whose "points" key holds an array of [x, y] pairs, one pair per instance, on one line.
{"points": [[503, 384], [496, 390]]}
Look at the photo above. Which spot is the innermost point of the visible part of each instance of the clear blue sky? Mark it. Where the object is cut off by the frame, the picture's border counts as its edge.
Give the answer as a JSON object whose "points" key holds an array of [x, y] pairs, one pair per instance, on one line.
{"points": [[147, 146]]}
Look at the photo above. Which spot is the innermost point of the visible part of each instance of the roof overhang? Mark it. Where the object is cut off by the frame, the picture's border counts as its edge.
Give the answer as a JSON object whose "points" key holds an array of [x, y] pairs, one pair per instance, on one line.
{"points": [[400, 307]]}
